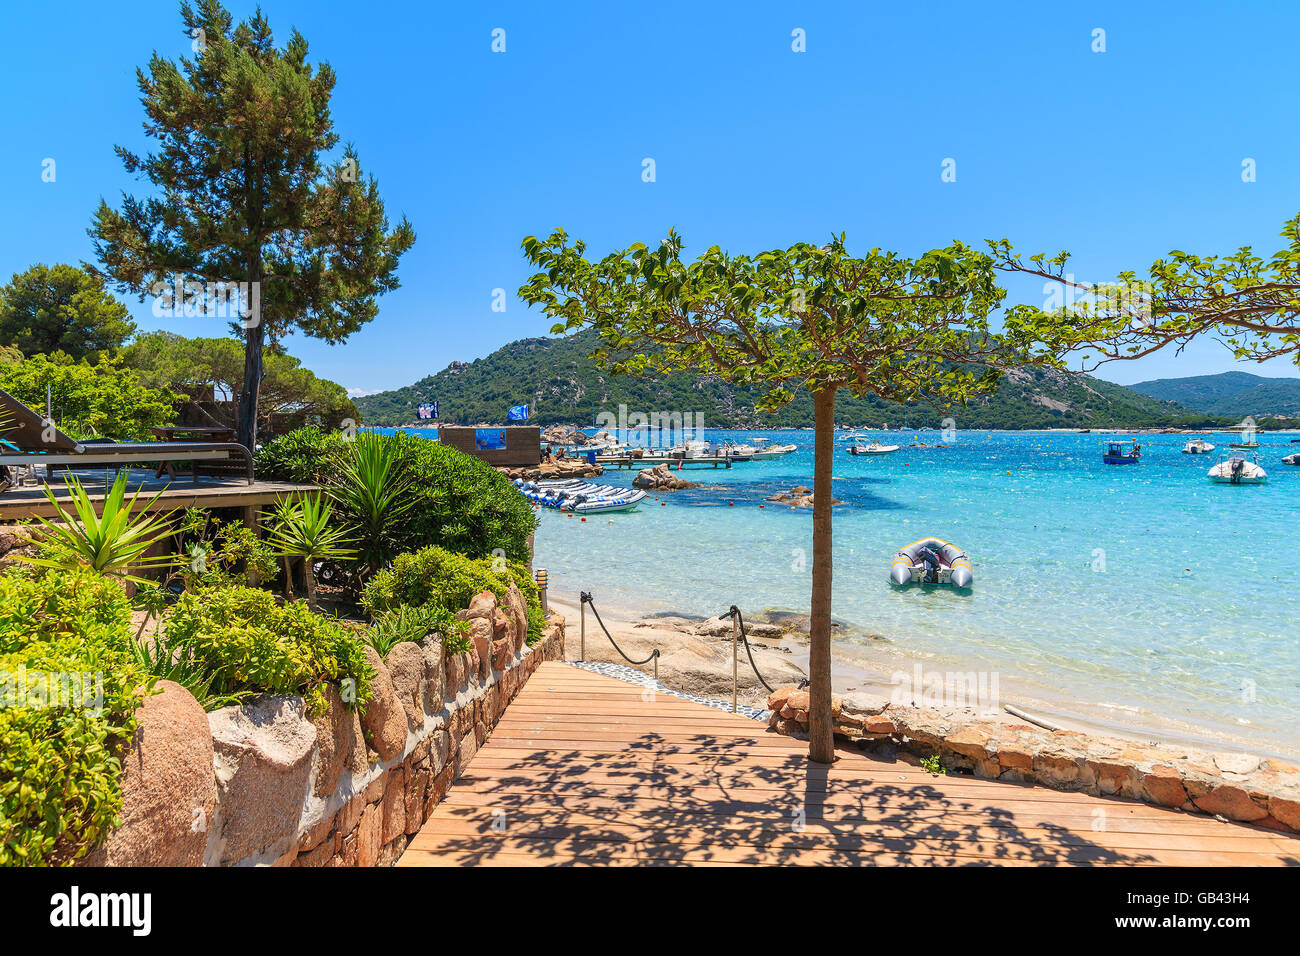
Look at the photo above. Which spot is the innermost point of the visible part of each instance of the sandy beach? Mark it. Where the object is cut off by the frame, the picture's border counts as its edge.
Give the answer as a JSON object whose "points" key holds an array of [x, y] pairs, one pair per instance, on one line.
{"points": [[701, 665]]}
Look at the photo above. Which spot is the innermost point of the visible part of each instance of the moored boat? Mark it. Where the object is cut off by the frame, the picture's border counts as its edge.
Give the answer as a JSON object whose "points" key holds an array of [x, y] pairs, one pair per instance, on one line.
{"points": [[931, 561], [872, 448], [1197, 446], [1294, 458], [1122, 452], [1235, 470]]}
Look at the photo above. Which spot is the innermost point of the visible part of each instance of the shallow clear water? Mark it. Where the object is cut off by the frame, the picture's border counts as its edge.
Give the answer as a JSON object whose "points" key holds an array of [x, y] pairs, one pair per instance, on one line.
{"points": [[1143, 589]]}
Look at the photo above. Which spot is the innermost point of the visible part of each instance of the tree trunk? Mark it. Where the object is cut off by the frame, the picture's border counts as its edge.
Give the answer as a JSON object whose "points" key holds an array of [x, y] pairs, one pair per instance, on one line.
{"points": [[249, 388], [254, 337], [311, 582], [288, 579], [821, 744]]}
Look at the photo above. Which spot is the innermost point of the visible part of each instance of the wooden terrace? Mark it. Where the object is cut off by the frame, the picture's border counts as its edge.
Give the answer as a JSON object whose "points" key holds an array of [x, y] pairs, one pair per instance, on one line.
{"points": [[584, 770], [225, 491]]}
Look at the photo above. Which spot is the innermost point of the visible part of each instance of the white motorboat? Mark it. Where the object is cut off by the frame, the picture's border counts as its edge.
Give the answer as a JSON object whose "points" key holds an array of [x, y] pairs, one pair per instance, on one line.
{"points": [[1294, 458], [1235, 470], [762, 449], [1197, 446], [872, 448]]}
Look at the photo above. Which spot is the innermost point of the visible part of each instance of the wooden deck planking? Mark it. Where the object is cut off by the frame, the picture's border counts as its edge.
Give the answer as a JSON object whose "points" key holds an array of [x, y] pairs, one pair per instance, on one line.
{"points": [[584, 769]]}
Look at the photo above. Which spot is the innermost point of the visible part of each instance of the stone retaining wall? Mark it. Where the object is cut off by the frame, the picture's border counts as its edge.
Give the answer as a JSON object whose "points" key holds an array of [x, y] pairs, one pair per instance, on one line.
{"points": [[1235, 786], [264, 783]]}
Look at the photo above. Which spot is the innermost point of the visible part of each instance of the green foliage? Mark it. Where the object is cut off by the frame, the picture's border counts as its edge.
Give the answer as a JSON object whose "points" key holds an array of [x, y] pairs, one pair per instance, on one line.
{"points": [[100, 398], [217, 551], [462, 503], [456, 500], [932, 765], [437, 577], [244, 192], [408, 623], [373, 491], [160, 662], [811, 317], [115, 540], [1248, 302], [61, 308], [289, 396], [304, 456], [60, 766], [247, 641]]}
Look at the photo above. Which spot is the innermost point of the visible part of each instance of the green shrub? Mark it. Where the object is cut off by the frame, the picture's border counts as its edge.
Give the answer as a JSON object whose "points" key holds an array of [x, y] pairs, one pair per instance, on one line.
{"points": [[457, 501], [306, 456], [408, 623], [248, 641], [437, 577], [60, 766], [463, 504]]}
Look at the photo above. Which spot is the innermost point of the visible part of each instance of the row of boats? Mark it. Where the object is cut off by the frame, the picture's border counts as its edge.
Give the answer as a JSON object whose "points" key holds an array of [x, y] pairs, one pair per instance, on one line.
{"points": [[1232, 470], [579, 496], [607, 447]]}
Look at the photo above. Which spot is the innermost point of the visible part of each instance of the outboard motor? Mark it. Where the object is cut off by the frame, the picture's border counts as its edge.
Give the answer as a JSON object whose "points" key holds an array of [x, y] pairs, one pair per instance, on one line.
{"points": [[1237, 466]]}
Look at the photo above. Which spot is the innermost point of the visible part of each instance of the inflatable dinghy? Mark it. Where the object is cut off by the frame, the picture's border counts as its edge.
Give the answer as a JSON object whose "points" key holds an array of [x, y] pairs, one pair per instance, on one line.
{"points": [[932, 561]]}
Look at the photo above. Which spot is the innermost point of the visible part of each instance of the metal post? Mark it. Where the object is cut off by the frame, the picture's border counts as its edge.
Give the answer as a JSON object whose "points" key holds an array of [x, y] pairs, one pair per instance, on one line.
{"points": [[735, 637], [582, 630]]}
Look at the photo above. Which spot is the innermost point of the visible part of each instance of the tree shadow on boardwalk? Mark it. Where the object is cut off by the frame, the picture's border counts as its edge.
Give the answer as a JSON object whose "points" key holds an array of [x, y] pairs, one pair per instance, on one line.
{"points": [[715, 799]]}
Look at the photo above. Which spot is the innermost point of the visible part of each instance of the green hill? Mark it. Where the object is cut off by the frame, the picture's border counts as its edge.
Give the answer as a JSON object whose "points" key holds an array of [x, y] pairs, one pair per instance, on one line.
{"points": [[556, 377], [1231, 394]]}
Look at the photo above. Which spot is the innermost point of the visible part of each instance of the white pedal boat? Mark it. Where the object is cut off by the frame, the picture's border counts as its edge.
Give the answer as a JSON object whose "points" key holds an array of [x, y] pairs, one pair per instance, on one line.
{"points": [[580, 497], [931, 561]]}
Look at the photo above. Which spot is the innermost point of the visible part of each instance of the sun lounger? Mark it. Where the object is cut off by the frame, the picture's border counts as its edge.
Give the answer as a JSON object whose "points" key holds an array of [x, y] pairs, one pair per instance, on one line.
{"points": [[36, 441]]}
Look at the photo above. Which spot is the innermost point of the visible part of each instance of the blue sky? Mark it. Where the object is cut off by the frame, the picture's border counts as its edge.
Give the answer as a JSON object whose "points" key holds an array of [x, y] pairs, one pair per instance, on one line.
{"points": [[1117, 156]]}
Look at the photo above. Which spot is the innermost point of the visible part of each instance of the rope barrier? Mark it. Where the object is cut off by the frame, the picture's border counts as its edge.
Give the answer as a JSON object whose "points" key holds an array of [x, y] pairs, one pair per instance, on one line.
{"points": [[586, 599], [736, 615]]}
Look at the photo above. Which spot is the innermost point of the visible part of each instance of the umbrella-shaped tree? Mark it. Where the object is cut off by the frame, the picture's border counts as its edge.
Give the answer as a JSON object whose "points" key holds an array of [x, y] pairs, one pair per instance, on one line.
{"points": [[809, 316]]}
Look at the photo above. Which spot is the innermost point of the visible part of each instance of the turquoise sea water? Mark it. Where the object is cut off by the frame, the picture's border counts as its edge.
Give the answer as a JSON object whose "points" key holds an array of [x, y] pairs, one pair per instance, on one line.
{"points": [[1140, 591]]}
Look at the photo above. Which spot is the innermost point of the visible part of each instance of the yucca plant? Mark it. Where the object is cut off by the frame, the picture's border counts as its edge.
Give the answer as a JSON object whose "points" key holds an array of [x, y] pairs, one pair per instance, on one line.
{"points": [[373, 495], [112, 541], [302, 529]]}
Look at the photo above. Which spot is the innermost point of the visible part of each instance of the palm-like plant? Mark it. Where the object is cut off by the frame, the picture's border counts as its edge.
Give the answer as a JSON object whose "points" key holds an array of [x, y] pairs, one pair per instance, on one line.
{"points": [[113, 541], [302, 529], [371, 491]]}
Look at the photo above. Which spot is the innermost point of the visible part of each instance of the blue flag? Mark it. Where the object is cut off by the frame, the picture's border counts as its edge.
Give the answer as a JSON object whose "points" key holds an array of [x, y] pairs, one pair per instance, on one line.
{"points": [[518, 414]]}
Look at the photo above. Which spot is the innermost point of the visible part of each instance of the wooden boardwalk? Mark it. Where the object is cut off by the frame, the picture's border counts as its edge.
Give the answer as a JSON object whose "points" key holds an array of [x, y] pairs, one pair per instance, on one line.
{"points": [[581, 770]]}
